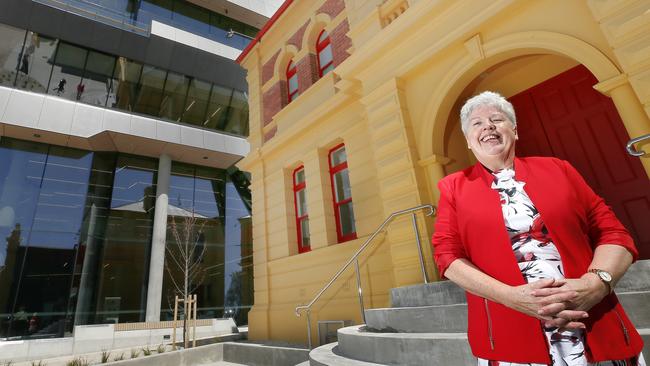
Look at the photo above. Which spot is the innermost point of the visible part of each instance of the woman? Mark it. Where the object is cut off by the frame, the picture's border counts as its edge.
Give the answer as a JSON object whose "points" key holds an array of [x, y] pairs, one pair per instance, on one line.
{"points": [[537, 251]]}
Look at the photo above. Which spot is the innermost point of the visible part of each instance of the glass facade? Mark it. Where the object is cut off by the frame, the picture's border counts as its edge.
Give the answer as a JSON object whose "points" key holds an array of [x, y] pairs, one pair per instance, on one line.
{"points": [[76, 227], [136, 16], [34, 62]]}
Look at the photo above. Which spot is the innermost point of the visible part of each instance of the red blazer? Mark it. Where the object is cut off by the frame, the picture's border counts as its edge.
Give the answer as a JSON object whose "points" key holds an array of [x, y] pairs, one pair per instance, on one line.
{"points": [[470, 225]]}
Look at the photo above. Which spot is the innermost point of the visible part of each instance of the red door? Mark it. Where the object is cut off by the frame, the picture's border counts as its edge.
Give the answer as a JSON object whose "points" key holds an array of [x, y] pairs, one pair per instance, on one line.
{"points": [[566, 118]]}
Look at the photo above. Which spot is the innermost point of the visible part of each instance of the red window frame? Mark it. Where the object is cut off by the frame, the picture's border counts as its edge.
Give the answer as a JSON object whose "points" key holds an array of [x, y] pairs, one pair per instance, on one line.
{"points": [[297, 187], [322, 44], [333, 170], [292, 72]]}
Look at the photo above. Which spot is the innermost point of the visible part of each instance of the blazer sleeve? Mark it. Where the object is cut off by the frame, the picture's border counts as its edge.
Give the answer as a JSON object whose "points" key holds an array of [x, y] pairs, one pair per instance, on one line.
{"points": [[447, 246], [603, 226]]}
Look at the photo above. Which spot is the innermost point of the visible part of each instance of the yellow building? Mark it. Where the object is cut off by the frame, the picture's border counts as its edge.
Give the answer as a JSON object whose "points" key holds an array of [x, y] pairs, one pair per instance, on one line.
{"points": [[578, 73]]}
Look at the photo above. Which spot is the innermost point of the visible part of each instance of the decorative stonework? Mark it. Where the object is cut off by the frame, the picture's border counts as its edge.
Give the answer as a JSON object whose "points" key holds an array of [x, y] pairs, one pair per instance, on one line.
{"points": [[391, 10]]}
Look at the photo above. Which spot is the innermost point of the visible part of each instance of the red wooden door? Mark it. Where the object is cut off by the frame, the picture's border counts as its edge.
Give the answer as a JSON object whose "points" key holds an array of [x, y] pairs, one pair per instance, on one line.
{"points": [[566, 118]]}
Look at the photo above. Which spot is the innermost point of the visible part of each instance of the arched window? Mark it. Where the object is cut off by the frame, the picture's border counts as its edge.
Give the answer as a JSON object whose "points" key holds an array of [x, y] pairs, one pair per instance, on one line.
{"points": [[324, 52], [292, 81]]}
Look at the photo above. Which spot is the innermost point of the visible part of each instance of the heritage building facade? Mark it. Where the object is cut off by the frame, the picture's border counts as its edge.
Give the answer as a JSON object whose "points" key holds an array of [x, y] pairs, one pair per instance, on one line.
{"points": [[354, 115]]}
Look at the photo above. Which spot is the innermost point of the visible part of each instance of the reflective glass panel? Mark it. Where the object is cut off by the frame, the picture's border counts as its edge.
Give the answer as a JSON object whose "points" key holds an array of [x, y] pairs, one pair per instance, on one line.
{"points": [[67, 71], [13, 60], [40, 51], [301, 202], [304, 230], [195, 237], [342, 185], [219, 101], [238, 114], [338, 156], [151, 93], [191, 17], [97, 85], [300, 176], [346, 214], [124, 87], [325, 56], [121, 294], [20, 180], [174, 97], [196, 104]]}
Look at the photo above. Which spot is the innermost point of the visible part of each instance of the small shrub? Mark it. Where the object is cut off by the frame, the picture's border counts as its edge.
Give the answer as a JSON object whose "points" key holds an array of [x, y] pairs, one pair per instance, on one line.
{"points": [[160, 349], [119, 358], [8, 363], [135, 353], [39, 363], [146, 351], [106, 355], [78, 362]]}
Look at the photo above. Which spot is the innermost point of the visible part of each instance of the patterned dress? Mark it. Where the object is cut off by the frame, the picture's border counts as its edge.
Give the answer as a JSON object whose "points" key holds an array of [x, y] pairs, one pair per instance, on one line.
{"points": [[538, 258]]}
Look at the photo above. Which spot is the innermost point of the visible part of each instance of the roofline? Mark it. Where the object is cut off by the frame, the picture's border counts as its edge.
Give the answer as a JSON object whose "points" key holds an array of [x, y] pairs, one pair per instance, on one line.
{"points": [[267, 26]]}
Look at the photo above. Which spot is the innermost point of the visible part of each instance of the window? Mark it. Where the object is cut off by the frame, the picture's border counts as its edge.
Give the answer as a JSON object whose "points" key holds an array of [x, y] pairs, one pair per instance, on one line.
{"points": [[342, 194], [292, 81], [300, 205], [324, 51]]}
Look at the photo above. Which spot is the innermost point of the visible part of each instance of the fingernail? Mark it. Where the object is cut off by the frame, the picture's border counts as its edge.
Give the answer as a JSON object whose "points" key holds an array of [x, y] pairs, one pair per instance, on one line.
{"points": [[585, 315]]}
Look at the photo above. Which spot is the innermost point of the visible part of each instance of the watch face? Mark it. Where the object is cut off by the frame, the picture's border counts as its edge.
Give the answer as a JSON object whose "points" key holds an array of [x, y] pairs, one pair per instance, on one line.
{"points": [[605, 276]]}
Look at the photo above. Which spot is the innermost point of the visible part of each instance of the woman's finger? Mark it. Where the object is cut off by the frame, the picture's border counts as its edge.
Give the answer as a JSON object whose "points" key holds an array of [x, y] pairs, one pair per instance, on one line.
{"points": [[564, 296]]}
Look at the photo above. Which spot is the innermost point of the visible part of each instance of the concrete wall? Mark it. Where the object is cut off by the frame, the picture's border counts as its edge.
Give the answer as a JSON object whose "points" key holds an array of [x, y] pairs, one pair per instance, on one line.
{"points": [[103, 337]]}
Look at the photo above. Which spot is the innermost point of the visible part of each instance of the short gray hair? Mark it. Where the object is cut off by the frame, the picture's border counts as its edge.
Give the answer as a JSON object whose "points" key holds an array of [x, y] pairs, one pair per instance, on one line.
{"points": [[490, 99]]}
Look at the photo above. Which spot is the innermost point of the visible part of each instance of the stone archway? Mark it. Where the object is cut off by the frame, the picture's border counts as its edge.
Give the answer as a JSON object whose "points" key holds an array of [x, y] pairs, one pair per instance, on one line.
{"points": [[482, 56]]}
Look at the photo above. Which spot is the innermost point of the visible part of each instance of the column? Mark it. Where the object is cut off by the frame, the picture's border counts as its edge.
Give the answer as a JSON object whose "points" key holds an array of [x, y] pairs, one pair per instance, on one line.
{"points": [[88, 271], [631, 111], [157, 260], [434, 167]]}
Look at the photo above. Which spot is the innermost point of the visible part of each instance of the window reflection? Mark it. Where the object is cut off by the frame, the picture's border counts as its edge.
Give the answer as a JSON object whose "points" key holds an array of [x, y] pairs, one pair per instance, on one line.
{"points": [[40, 51], [76, 232], [150, 93], [97, 85], [196, 204], [196, 104], [125, 84], [174, 96], [69, 63], [13, 61], [219, 101]]}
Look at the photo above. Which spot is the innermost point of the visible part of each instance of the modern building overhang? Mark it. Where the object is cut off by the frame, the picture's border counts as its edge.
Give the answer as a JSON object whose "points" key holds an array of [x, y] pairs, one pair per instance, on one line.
{"points": [[51, 119]]}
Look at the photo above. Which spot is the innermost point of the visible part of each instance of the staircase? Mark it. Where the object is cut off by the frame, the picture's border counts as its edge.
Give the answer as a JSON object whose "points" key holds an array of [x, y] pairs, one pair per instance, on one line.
{"points": [[426, 325]]}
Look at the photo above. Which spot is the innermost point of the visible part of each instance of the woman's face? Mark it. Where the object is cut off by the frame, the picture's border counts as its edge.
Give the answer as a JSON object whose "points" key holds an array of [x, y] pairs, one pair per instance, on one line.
{"points": [[491, 136]]}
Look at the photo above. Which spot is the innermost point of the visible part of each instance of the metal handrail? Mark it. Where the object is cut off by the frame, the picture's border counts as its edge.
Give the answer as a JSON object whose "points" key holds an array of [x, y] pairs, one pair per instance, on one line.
{"points": [[630, 145], [355, 258]]}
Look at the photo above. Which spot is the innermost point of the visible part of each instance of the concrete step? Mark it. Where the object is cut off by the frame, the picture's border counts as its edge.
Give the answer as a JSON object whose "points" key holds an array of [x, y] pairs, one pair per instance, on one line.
{"points": [[255, 354], [645, 334], [404, 348], [637, 278], [329, 354], [419, 319], [434, 293], [453, 318]]}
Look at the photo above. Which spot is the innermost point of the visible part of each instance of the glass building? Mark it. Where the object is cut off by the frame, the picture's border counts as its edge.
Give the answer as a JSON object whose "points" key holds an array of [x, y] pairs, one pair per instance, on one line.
{"points": [[112, 141]]}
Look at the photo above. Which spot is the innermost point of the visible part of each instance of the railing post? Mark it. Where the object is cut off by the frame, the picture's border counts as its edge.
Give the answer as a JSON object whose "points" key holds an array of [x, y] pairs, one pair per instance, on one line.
{"points": [[417, 240], [360, 291], [309, 328]]}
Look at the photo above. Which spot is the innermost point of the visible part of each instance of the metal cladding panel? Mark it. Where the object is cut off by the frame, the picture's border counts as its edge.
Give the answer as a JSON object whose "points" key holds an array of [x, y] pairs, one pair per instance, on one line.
{"points": [[15, 12], [78, 28], [159, 52], [46, 20]]}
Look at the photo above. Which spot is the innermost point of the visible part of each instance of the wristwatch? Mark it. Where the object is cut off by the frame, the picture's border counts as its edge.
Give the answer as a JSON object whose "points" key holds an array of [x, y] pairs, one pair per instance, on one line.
{"points": [[604, 276]]}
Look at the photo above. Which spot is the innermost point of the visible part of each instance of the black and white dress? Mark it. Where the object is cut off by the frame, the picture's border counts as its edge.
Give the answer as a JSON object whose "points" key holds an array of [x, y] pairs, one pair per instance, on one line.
{"points": [[538, 258]]}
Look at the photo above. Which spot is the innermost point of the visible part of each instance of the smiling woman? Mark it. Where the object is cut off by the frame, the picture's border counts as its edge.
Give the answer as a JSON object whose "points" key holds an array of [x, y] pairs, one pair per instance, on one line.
{"points": [[540, 291]]}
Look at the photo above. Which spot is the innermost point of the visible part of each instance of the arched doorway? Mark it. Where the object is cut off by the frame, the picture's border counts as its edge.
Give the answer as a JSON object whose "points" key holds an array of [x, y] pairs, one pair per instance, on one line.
{"points": [[566, 118], [560, 114]]}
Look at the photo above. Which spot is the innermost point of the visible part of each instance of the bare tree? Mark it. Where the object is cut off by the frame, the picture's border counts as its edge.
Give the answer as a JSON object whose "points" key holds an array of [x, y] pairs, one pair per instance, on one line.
{"points": [[184, 258]]}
